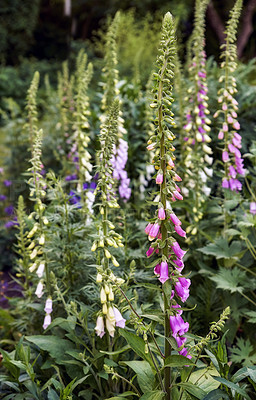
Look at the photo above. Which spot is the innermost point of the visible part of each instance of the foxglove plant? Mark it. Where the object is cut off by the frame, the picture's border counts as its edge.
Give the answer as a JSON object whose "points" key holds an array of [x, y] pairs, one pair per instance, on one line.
{"points": [[231, 154], [165, 223], [110, 78], [37, 185], [109, 317], [81, 135], [197, 127]]}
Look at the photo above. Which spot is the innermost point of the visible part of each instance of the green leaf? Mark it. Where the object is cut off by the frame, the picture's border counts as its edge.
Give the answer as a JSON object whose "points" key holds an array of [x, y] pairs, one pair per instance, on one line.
{"points": [[155, 395], [144, 373], [242, 353], [56, 346], [203, 378], [137, 344], [177, 361], [194, 390], [244, 372], [221, 249], [252, 315], [233, 280], [232, 385], [113, 353], [216, 394]]}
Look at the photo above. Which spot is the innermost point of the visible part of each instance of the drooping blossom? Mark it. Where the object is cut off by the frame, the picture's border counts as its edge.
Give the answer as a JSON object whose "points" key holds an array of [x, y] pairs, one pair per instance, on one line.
{"points": [[120, 321], [47, 321], [253, 207], [99, 328]]}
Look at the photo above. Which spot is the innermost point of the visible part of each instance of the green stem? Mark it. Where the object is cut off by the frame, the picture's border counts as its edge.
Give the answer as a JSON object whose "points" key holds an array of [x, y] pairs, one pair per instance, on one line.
{"points": [[167, 346]]}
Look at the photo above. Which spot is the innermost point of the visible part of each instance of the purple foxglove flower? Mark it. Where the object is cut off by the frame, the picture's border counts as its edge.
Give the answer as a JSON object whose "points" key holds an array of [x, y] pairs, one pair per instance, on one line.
{"points": [[151, 146], [225, 184], [179, 263], [236, 125], [224, 107], [234, 184], [157, 269], [180, 231], [221, 135], [178, 326], [225, 156], [177, 250], [171, 163], [150, 251], [153, 231], [161, 213], [177, 195], [48, 306], [164, 272], [9, 210], [159, 179], [237, 136], [230, 119], [253, 207], [234, 114], [185, 282], [236, 143], [182, 291], [7, 183], [99, 328], [178, 310], [148, 227], [225, 127], [120, 321], [232, 172], [177, 178], [47, 321], [231, 148], [184, 352], [175, 219], [180, 341]]}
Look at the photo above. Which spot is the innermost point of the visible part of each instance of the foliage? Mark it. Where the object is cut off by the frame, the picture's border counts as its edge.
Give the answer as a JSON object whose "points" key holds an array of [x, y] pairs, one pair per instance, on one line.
{"points": [[86, 317]]}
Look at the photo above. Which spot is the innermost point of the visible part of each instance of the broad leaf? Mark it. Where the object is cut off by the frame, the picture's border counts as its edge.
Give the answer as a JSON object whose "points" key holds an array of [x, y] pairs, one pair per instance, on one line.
{"points": [[244, 372], [194, 390], [203, 378], [216, 395], [56, 346], [137, 344], [233, 386], [156, 395], [177, 361], [144, 373]]}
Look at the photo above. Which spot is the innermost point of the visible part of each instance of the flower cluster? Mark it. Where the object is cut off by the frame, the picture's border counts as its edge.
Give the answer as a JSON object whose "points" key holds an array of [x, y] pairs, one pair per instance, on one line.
{"points": [[107, 237], [111, 91], [165, 224], [231, 154], [197, 160]]}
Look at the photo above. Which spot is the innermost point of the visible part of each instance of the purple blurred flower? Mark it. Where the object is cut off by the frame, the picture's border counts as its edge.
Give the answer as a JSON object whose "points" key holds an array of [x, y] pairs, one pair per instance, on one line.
{"points": [[2, 197], [7, 183], [253, 207], [9, 210]]}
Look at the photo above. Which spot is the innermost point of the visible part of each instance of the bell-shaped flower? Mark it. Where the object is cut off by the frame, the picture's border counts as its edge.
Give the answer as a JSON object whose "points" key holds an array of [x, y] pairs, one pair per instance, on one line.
{"points": [[164, 272], [120, 321], [99, 328], [47, 321]]}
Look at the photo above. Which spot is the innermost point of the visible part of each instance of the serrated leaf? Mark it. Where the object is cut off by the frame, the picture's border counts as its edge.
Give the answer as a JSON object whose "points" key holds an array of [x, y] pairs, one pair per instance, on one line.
{"points": [[252, 315], [242, 353], [232, 385], [221, 249], [230, 279]]}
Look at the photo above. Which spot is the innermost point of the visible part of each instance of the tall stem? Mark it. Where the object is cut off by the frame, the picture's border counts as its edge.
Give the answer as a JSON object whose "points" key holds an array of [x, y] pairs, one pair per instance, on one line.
{"points": [[167, 346]]}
